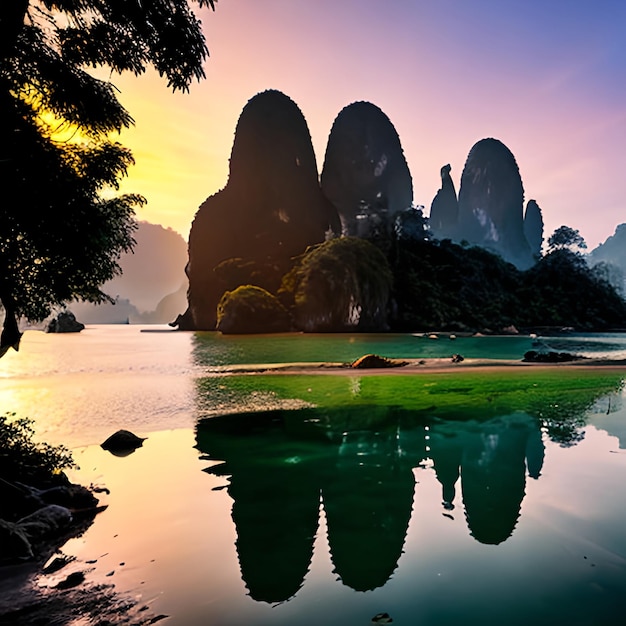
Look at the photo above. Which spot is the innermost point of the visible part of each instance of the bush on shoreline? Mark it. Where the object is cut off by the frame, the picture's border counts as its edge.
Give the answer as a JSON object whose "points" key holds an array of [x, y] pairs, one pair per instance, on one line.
{"points": [[28, 461]]}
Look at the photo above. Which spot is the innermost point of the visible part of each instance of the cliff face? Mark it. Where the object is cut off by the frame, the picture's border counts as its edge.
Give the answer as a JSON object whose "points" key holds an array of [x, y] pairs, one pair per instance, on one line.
{"points": [[444, 210], [365, 173], [533, 228], [491, 200], [271, 209]]}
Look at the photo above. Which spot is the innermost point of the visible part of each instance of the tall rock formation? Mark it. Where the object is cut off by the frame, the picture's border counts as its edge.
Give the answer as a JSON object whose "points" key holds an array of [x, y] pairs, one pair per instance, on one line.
{"points": [[271, 209], [491, 199], [444, 210], [533, 228], [365, 174]]}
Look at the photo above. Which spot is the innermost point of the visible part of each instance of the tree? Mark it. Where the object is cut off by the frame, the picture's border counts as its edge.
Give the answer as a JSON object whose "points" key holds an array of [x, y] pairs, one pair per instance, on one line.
{"points": [[566, 237], [342, 284], [62, 233]]}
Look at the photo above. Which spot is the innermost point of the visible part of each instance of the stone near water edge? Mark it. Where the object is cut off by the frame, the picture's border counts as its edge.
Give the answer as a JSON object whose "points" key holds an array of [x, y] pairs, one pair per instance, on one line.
{"points": [[373, 361], [49, 520], [64, 322], [14, 543], [122, 443]]}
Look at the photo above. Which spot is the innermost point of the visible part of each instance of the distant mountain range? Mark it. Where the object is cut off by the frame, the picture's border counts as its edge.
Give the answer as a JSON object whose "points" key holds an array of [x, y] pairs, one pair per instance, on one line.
{"points": [[152, 287]]}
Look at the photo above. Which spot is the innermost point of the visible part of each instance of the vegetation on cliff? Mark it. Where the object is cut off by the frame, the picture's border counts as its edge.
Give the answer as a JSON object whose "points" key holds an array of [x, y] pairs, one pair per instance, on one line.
{"points": [[249, 309], [342, 284]]}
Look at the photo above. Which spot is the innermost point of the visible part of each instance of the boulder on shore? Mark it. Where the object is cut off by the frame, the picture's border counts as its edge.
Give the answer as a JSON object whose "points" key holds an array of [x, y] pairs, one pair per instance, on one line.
{"points": [[532, 356], [373, 361]]}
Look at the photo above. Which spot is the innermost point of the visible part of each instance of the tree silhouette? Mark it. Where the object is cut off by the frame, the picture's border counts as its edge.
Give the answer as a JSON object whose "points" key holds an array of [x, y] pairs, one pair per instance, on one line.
{"points": [[566, 237], [64, 229]]}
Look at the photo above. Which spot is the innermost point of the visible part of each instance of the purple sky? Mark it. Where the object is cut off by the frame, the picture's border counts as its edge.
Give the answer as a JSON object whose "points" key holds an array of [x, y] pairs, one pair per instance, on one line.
{"points": [[547, 78]]}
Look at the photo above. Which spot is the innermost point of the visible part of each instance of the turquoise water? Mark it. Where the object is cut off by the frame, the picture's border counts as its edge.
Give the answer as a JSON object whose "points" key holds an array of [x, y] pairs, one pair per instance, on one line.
{"points": [[214, 349], [268, 499]]}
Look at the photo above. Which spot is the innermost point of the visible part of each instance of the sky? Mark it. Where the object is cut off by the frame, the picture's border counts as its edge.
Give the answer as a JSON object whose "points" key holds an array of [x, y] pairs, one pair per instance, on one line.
{"points": [[545, 77]]}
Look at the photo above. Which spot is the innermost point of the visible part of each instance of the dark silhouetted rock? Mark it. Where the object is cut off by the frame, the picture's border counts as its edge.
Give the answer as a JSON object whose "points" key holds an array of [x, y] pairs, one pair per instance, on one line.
{"points": [[14, 543], [491, 200], [533, 228], [271, 209], [532, 356], [444, 210], [365, 174], [373, 361], [122, 443], [249, 309], [64, 322], [50, 520]]}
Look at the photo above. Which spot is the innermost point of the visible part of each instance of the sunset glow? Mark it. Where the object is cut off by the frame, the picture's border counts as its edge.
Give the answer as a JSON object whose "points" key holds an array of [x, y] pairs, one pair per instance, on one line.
{"points": [[546, 81]]}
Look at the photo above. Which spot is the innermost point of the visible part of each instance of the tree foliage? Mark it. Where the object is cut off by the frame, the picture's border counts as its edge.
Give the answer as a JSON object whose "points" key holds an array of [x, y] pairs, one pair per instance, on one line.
{"points": [[64, 229], [251, 309], [565, 237], [23, 459], [342, 284], [441, 285]]}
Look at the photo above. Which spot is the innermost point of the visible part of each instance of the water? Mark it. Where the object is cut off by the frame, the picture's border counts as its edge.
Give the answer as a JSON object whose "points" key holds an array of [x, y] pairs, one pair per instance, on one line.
{"points": [[303, 499]]}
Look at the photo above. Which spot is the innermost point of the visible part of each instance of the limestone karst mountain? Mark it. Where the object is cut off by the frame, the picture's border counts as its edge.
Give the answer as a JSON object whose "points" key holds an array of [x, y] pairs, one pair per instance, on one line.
{"points": [[613, 250], [365, 174], [491, 198], [271, 209], [533, 228], [444, 210], [612, 256]]}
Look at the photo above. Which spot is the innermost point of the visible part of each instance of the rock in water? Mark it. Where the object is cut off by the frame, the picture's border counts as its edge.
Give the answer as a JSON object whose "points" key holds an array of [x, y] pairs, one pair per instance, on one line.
{"points": [[491, 200], [64, 322], [365, 174], [444, 210], [271, 209], [122, 443]]}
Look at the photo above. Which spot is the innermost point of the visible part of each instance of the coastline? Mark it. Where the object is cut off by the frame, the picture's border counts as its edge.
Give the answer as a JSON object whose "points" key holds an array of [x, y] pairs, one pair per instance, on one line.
{"points": [[418, 366]]}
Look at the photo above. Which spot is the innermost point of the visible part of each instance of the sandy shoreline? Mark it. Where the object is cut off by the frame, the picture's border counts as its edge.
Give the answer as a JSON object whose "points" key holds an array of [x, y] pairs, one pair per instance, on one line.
{"points": [[421, 366]]}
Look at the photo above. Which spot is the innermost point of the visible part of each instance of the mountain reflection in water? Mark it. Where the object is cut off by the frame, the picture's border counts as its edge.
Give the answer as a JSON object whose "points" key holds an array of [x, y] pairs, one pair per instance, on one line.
{"points": [[282, 464]]}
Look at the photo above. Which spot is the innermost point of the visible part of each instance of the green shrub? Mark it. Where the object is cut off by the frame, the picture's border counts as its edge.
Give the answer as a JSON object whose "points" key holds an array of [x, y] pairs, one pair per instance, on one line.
{"points": [[25, 460]]}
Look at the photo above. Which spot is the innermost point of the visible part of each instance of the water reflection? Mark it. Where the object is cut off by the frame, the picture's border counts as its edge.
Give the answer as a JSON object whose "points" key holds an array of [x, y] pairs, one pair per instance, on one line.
{"points": [[283, 463]]}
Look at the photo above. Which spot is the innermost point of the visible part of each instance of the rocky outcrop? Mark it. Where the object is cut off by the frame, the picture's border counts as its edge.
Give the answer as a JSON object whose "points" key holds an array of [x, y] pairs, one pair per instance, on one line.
{"points": [[64, 322], [444, 210], [365, 174], [373, 361], [613, 250], [533, 228], [491, 200], [271, 209]]}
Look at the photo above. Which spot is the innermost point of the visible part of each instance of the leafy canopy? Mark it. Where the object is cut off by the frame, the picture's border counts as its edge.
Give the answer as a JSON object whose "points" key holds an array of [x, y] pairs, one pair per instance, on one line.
{"points": [[64, 227], [23, 459], [566, 237]]}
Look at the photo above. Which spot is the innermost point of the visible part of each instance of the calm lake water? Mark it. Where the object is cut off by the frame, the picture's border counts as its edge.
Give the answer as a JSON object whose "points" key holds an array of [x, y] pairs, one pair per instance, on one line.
{"points": [[327, 499]]}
